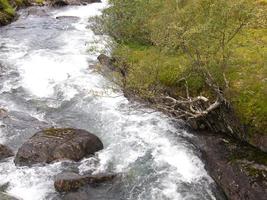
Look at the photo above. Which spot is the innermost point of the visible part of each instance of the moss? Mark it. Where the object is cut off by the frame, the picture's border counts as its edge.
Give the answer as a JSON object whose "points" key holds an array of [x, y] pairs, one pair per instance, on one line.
{"points": [[256, 173], [41, 2], [245, 152], [59, 132], [249, 159], [150, 68]]}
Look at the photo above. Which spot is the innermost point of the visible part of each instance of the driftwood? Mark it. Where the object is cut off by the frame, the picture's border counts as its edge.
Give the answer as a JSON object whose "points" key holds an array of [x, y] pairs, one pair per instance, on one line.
{"points": [[192, 107]]}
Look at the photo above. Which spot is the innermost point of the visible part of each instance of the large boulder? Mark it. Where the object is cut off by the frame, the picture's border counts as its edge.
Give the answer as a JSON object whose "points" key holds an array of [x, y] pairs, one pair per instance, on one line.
{"points": [[69, 181], [5, 152], [57, 144]]}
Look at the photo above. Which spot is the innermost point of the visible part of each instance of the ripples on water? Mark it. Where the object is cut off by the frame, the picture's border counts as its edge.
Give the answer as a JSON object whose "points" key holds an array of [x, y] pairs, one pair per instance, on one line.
{"points": [[47, 82]]}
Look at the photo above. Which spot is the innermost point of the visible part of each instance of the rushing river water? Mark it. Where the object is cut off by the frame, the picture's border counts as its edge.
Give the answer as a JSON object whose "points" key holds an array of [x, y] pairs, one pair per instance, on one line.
{"points": [[46, 80]]}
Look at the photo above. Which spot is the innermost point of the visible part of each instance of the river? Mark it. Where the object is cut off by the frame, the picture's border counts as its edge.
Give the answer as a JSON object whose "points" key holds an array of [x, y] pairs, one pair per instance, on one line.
{"points": [[47, 79]]}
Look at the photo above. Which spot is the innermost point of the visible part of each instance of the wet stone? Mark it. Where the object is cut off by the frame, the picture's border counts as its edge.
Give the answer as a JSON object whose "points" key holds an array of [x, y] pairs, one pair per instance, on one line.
{"points": [[3, 113], [69, 181], [4, 196], [5, 152], [68, 18], [56, 144]]}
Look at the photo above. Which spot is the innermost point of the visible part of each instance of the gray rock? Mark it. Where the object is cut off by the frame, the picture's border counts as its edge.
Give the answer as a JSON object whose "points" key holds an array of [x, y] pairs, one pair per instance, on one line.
{"points": [[40, 12], [5, 152], [60, 3], [81, 195], [69, 181], [4, 196], [68, 18], [3, 113], [4, 187], [57, 144], [108, 63], [238, 168], [105, 61]]}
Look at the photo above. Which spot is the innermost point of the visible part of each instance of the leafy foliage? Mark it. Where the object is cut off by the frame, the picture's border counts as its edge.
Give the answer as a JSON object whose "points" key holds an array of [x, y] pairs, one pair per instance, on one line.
{"points": [[6, 7], [162, 41]]}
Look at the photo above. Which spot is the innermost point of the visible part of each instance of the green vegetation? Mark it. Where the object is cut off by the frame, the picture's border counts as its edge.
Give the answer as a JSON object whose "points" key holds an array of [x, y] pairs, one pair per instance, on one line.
{"points": [[40, 2], [206, 42], [5, 7], [59, 132], [8, 9]]}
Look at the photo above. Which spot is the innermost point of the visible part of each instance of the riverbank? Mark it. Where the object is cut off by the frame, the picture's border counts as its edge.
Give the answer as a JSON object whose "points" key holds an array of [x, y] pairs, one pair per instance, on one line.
{"points": [[9, 8], [200, 69], [208, 69], [238, 168]]}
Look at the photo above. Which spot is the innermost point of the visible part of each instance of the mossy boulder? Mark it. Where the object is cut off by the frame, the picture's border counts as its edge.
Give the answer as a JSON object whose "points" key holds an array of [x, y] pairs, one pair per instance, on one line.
{"points": [[57, 144]]}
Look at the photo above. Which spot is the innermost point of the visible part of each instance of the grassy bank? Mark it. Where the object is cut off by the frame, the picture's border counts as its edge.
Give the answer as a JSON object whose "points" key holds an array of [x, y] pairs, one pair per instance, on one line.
{"points": [[7, 12], [8, 9], [161, 43]]}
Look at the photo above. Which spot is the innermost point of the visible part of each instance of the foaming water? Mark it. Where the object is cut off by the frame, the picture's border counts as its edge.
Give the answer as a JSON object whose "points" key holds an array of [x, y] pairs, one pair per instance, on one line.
{"points": [[47, 82]]}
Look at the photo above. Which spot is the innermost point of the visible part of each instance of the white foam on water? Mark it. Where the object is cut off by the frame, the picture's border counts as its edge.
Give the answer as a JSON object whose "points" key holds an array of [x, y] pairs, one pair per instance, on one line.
{"points": [[2, 136], [133, 135], [29, 183], [42, 71]]}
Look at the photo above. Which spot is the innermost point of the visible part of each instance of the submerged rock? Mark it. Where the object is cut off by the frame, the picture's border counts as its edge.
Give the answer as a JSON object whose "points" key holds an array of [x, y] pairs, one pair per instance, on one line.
{"points": [[81, 195], [36, 11], [3, 113], [68, 18], [4, 196], [4, 187], [60, 3], [5, 152], [57, 144], [69, 181]]}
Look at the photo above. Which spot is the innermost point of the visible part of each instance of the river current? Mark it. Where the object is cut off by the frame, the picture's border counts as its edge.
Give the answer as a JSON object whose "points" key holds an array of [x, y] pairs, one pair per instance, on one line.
{"points": [[47, 80]]}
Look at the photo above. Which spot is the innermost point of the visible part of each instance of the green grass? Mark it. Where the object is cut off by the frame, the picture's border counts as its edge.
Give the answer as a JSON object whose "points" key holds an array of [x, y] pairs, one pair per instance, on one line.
{"points": [[248, 79], [149, 69], [6, 7], [39, 1]]}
